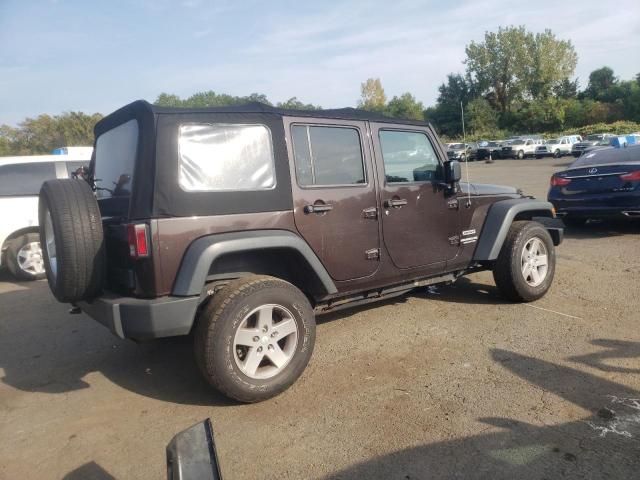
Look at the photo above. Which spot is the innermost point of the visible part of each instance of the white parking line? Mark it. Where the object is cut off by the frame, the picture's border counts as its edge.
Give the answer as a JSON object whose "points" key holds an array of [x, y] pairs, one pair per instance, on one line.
{"points": [[552, 311]]}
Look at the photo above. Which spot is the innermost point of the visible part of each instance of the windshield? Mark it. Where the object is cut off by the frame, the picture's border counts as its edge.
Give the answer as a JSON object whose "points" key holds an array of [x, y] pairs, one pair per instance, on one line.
{"points": [[493, 144], [594, 138], [456, 146], [555, 141], [517, 142]]}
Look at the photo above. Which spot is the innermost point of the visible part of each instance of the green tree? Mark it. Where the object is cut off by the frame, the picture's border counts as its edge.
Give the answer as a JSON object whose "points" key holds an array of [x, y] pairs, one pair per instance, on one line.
{"points": [[42, 134], [446, 115], [552, 62], [481, 117], [566, 89], [512, 65], [208, 99], [168, 100], [372, 96], [405, 106], [600, 82], [294, 104]]}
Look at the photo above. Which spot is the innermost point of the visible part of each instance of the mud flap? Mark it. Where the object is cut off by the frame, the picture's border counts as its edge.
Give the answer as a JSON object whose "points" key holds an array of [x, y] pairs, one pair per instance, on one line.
{"points": [[191, 454]]}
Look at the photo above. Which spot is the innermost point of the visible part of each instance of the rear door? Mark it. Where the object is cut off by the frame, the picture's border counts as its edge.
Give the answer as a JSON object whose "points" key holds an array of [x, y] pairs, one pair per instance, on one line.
{"points": [[334, 194], [419, 221]]}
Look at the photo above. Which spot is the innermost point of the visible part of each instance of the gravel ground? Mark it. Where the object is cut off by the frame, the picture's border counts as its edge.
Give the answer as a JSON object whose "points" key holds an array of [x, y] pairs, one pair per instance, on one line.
{"points": [[453, 383]]}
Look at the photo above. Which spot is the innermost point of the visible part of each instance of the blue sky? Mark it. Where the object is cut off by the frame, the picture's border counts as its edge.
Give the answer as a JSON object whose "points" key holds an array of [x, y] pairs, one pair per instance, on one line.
{"points": [[95, 56]]}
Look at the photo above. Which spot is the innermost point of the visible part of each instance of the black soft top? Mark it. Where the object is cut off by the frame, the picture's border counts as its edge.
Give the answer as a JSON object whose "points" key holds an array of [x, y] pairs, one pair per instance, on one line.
{"points": [[142, 108], [155, 192]]}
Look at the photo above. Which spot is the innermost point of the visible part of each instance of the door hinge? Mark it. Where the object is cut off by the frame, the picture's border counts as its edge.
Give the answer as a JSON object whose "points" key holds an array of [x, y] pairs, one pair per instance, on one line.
{"points": [[455, 240], [371, 212], [373, 254]]}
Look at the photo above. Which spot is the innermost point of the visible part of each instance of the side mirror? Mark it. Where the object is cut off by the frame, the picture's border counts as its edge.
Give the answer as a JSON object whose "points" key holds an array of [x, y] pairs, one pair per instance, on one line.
{"points": [[452, 172]]}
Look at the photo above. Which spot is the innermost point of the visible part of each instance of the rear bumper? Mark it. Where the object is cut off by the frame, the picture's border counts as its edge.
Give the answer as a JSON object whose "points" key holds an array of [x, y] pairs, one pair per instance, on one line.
{"points": [[143, 319]]}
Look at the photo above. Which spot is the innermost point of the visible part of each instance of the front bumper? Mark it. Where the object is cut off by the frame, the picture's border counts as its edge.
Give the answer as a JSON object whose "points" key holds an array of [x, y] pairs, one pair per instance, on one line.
{"points": [[143, 319]]}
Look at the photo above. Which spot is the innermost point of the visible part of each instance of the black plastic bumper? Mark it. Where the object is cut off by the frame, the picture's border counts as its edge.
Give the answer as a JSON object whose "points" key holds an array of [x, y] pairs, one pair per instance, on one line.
{"points": [[143, 319], [554, 226]]}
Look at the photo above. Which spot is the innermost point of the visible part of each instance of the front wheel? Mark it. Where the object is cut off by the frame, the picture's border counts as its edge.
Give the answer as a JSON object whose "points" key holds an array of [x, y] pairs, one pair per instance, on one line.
{"points": [[526, 264], [557, 154], [520, 154], [255, 338]]}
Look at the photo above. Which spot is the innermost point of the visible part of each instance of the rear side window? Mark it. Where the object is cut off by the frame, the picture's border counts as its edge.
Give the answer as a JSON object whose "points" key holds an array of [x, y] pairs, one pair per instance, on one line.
{"points": [[327, 156], [221, 157], [116, 152], [25, 178], [408, 157]]}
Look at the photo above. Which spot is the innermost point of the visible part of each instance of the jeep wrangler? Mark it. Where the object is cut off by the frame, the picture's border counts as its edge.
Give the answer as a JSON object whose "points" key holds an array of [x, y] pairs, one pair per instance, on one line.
{"points": [[237, 225]]}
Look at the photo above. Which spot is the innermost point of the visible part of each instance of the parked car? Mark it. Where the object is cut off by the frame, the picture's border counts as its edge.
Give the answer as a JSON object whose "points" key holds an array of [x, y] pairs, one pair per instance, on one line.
{"points": [[20, 181], [521, 148], [602, 183], [595, 140], [491, 148], [557, 147], [459, 151], [240, 224]]}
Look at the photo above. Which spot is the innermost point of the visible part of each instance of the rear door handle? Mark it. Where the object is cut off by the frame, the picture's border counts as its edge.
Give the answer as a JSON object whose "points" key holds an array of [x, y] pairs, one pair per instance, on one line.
{"points": [[319, 208], [395, 203]]}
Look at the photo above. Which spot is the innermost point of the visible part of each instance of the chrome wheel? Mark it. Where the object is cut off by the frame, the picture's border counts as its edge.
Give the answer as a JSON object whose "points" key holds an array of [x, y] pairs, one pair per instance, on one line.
{"points": [[534, 261], [50, 245], [29, 259], [265, 341]]}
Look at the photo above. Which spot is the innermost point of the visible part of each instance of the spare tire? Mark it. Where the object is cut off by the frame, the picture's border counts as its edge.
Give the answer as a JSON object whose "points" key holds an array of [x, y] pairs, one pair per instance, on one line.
{"points": [[72, 239]]}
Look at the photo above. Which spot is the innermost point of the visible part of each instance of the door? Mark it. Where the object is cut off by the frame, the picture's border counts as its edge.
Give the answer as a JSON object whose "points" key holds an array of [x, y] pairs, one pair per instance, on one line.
{"points": [[334, 194], [419, 219]]}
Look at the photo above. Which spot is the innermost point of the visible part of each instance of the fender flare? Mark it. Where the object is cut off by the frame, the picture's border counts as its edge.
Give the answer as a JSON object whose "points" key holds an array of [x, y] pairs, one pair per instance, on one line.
{"points": [[204, 251], [499, 220]]}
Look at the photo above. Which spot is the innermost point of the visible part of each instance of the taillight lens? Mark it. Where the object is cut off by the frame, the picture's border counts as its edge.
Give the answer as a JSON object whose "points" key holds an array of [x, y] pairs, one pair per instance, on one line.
{"points": [[138, 240], [631, 176], [559, 181]]}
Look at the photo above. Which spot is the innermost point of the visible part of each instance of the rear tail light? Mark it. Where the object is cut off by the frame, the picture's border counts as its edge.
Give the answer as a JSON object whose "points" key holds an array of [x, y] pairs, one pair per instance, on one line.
{"points": [[559, 181], [138, 240], [631, 176]]}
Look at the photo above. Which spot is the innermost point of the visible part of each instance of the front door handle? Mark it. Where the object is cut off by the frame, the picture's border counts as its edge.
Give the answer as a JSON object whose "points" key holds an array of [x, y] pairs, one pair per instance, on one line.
{"points": [[318, 208], [395, 203]]}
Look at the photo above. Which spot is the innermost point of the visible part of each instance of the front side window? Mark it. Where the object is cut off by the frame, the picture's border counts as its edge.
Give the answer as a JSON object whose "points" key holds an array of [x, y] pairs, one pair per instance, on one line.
{"points": [[116, 152], [408, 157], [225, 157], [327, 155], [25, 178]]}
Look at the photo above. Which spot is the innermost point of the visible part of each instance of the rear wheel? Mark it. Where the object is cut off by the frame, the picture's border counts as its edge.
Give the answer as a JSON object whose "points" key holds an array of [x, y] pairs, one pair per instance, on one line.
{"points": [[255, 338], [72, 239], [24, 257], [525, 266]]}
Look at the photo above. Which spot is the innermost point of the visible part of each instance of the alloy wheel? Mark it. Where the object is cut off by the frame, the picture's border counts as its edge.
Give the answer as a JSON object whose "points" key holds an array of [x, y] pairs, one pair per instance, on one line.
{"points": [[265, 341], [534, 262]]}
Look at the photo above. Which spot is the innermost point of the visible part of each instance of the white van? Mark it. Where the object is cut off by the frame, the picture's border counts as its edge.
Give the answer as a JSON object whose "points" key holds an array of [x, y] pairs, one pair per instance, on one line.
{"points": [[20, 181]]}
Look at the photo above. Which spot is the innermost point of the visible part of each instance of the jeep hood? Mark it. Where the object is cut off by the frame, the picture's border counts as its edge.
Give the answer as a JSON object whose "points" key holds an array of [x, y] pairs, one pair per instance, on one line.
{"points": [[488, 189]]}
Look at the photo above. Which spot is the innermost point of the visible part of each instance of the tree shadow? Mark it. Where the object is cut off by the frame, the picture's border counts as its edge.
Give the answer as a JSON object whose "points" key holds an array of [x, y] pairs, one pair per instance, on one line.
{"points": [[602, 445], [615, 349], [43, 349], [89, 471]]}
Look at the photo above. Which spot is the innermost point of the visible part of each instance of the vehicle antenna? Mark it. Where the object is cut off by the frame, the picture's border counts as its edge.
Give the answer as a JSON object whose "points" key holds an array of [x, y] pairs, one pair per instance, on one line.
{"points": [[466, 164]]}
